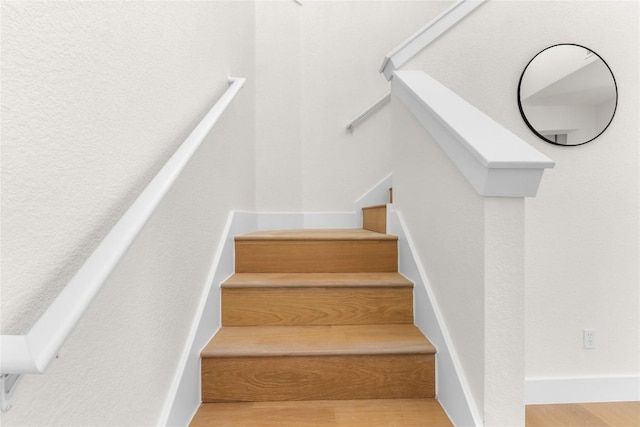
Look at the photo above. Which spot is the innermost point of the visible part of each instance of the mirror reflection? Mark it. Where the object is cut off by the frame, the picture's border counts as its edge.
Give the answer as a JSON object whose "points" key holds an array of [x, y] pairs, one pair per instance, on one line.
{"points": [[567, 95]]}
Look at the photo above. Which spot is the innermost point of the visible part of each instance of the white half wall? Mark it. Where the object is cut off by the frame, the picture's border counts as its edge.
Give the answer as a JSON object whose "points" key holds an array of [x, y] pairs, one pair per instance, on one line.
{"points": [[583, 228], [96, 96], [472, 251], [452, 389]]}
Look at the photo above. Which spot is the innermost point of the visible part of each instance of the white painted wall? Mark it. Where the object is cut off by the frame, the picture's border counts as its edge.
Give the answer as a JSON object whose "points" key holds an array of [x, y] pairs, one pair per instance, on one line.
{"points": [[472, 250], [317, 68], [455, 267], [95, 97], [582, 229]]}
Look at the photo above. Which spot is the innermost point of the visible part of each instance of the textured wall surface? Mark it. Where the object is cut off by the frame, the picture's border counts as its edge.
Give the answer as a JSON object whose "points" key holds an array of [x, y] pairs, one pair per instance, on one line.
{"points": [[472, 250], [446, 219], [317, 69], [95, 98], [582, 230]]}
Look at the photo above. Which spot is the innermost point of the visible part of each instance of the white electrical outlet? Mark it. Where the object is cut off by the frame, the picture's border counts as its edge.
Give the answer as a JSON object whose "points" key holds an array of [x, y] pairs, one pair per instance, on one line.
{"points": [[589, 338]]}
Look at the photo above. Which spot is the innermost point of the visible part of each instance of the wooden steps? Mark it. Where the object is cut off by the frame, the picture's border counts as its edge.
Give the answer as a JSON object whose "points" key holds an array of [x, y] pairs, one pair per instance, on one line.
{"points": [[316, 251], [324, 413], [264, 363], [317, 322], [374, 218], [316, 299]]}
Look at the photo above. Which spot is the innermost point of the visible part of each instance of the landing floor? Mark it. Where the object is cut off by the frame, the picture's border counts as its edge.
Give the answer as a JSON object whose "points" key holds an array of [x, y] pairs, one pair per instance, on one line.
{"points": [[614, 414], [326, 413]]}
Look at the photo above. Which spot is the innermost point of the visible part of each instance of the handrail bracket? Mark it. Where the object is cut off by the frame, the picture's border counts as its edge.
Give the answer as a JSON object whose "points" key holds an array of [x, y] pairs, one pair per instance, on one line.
{"points": [[9, 384]]}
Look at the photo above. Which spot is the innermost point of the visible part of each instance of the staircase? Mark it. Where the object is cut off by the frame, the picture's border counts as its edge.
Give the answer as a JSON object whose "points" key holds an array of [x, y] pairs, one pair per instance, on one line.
{"points": [[317, 329]]}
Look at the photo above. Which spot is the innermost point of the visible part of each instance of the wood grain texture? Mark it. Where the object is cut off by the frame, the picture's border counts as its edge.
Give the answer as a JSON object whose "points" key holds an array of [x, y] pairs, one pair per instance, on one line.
{"points": [[255, 379], [374, 218], [235, 341], [316, 306], [316, 256], [316, 234], [324, 413], [609, 414], [299, 280]]}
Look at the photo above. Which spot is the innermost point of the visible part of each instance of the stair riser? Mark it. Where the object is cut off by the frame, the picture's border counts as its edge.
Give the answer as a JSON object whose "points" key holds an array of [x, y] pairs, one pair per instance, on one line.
{"points": [[255, 379], [375, 219], [316, 306], [316, 256]]}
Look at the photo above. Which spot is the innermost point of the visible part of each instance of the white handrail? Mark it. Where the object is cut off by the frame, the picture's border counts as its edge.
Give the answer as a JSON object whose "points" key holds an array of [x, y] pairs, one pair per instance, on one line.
{"points": [[379, 103], [425, 35], [495, 161], [32, 353], [414, 44]]}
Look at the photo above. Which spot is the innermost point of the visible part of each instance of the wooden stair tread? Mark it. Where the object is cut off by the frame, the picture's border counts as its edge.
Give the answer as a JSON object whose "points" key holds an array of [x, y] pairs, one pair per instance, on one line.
{"points": [[304, 280], [234, 341], [316, 234], [324, 413]]}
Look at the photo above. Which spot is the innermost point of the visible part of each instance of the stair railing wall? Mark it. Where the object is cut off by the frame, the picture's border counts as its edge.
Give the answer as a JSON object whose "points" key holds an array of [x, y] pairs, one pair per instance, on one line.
{"points": [[33, 352], [459, 182]]}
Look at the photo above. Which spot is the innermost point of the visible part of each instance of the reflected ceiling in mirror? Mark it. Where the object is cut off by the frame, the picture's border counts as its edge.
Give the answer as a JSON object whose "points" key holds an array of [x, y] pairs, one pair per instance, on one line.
{"points": [[567, 95]]}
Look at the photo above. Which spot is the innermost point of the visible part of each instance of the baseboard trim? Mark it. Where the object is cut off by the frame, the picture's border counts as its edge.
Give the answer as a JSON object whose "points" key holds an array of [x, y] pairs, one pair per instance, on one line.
{"points": [[452, 389], [582, 389], [377, 195], [184, 396]]}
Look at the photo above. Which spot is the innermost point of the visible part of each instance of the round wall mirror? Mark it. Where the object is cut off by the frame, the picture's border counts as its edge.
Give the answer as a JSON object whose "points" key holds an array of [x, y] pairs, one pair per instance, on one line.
{"points": [[567, 95]]}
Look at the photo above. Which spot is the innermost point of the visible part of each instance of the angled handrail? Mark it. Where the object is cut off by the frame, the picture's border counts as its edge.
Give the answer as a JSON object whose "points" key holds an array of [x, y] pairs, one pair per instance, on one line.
{"points": [[425, 35], [495, 161], [373, 107], [33, 352], [414, 44]]}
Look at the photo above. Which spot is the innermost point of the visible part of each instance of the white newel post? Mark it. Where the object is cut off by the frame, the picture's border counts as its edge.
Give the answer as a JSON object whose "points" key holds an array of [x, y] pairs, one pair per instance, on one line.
{"points": [[504, 312]]}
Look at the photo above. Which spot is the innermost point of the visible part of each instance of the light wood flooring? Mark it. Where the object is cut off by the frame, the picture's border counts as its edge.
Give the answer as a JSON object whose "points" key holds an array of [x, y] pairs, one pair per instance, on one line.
{"points": [[614, 414], [401, 413], [326, 413]]}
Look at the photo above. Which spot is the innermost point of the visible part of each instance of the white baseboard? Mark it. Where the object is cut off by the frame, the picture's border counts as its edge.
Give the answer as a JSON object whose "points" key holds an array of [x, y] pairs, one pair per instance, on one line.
{"points": [[377, 195], [452, 389], [582, 389], [183, 398]]}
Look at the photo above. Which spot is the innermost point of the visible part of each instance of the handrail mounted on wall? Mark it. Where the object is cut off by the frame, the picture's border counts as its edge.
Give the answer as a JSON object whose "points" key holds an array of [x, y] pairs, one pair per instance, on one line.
{"points": [[409, 48], [33, 352], [379, 103]]}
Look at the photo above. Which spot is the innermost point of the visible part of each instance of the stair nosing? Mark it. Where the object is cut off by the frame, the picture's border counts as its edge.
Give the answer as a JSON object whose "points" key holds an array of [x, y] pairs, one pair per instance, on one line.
{"points": [[320, 351], [315, 280], [315, 235], [248, 341]]}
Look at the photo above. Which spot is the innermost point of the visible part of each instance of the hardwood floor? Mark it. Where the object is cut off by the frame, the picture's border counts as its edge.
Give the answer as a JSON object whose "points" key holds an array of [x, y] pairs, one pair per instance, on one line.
{"points": [[318, 330], [401, 413], [261, 363], [316, 251], [614, 414], [326, 413]]}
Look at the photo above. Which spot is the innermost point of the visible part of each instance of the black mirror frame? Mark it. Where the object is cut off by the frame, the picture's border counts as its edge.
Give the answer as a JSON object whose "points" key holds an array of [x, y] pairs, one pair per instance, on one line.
{"points": [[524, 117]]}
